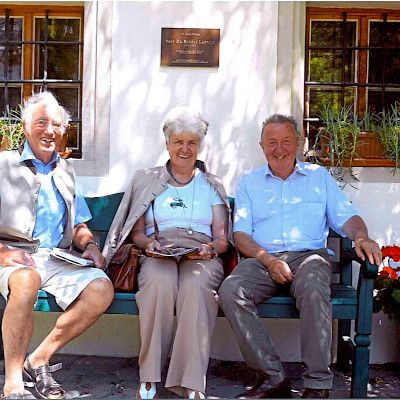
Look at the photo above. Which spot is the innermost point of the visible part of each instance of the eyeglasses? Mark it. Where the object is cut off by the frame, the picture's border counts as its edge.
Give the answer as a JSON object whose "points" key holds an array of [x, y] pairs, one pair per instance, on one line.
{"points": [[44, 123]]}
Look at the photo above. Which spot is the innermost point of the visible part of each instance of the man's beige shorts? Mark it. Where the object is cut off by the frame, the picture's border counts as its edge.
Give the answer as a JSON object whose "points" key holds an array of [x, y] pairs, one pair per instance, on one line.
{"points": [[63, 280]]}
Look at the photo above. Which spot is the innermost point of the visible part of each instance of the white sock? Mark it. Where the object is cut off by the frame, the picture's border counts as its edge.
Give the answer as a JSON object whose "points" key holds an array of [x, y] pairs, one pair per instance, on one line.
{"points": [[147, 394], [192, 394]]}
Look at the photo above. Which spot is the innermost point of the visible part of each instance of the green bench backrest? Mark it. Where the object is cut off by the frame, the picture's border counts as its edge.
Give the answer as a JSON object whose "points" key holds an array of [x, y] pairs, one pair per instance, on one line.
{"points": [[103, 209]]}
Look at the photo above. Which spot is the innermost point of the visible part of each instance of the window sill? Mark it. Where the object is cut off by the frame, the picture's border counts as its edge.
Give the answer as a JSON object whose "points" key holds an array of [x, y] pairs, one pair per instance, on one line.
{"points": [[362, 162]]}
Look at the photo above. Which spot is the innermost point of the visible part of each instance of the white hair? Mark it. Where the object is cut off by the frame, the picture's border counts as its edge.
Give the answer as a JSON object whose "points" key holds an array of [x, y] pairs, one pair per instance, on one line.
{"points": [[43, 97], [184, 119]]}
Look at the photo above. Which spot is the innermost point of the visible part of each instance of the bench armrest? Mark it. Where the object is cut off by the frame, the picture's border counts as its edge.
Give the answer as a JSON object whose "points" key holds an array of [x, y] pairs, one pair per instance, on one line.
{"points": [[367, 270]]}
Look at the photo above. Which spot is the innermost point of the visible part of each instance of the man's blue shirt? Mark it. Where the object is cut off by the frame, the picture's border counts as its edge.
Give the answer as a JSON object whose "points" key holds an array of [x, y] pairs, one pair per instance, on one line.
{"points": [[293, 214], [51, 208]]}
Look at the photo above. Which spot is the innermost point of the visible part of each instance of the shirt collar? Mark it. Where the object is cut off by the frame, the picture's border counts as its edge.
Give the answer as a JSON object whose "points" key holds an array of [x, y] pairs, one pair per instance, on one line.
{"points": [[299, 167], [27, 154]]}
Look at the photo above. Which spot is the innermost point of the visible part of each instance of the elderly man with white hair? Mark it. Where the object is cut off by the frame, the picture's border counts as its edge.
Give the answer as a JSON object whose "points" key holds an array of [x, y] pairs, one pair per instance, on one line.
{"points": [[39, 199]]}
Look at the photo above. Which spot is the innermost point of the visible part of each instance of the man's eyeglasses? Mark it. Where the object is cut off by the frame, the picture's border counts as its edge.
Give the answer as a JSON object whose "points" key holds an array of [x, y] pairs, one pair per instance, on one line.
{"points": [[44, 123]]}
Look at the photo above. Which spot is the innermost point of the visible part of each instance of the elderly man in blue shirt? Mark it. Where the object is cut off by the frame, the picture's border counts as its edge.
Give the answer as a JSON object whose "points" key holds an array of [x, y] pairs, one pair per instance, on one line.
{"points": [[40, 199], [283, 212]]}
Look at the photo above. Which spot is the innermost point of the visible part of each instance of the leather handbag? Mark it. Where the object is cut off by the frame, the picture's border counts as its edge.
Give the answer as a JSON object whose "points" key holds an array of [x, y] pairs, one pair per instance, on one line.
{"points": [[124, 268]]}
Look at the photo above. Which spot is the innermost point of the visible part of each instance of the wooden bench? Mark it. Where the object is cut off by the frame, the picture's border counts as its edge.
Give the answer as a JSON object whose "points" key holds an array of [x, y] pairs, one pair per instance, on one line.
{"points": [[349, 304]]}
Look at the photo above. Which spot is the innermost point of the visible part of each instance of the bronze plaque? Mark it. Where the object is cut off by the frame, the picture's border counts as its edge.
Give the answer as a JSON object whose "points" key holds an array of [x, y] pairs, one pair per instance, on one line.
{"points": [[189, 47]]}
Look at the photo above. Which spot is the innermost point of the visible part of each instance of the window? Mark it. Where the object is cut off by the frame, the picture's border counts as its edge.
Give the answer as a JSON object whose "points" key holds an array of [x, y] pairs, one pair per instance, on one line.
{"points": [[352, 60], [41, 47]]}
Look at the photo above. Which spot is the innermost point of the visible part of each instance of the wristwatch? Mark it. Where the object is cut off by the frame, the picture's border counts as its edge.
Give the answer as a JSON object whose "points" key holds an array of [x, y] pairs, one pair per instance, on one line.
{"points": [[92, 242]]}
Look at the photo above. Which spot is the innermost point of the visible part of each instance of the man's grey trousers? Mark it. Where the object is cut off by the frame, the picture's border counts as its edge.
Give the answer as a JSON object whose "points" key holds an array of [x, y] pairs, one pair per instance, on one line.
{"points": [[250, 284]]}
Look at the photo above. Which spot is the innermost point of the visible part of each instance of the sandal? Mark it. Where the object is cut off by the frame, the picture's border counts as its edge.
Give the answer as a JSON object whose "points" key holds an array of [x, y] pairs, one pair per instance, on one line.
{"points": [[43, 383]]}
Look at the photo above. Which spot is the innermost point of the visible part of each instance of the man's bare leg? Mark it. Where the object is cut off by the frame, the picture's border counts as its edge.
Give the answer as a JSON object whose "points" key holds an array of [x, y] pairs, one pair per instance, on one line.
{"points": [[17, 325], [76, 319]]}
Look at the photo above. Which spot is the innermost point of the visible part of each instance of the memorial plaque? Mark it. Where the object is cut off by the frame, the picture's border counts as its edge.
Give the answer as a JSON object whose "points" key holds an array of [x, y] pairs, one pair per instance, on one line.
{"points": [[189, 47]]}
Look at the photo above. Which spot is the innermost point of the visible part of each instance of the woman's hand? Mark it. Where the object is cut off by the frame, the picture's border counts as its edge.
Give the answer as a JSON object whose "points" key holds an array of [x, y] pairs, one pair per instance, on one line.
{"points": [[152, 246], [207, 252]]}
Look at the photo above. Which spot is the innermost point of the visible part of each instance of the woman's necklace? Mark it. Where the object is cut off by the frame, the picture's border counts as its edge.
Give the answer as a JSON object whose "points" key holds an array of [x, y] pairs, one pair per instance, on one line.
{"points": [[179, 182], [189, 229]]}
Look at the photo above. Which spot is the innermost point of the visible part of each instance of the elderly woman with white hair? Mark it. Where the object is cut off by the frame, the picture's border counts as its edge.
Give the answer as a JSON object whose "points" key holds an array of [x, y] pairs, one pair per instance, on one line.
{"points": [[187, 207]]}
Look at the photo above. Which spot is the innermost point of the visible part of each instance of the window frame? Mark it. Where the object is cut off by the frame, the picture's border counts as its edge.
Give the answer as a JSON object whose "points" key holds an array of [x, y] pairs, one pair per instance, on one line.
{"points": [[362, 17], [27, 80]]}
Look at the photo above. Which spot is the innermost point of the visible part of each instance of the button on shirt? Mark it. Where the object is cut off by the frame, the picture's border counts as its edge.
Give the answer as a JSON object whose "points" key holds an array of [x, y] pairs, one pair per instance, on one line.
{"points": [[293, 214], [51, 209]]}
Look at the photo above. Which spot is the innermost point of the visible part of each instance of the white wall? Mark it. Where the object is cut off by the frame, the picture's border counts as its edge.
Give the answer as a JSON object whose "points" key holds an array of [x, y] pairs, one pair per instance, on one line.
{"points": [[234, 98], [261, 71]]}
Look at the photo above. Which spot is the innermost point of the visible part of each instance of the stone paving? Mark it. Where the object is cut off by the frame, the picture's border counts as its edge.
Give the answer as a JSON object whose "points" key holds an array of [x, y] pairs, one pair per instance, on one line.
{"points": [[91, 377]]}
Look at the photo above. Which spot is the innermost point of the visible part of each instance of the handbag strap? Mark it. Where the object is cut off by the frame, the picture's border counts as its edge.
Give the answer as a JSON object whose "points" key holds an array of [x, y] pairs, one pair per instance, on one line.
{"points": [[155, 222]]}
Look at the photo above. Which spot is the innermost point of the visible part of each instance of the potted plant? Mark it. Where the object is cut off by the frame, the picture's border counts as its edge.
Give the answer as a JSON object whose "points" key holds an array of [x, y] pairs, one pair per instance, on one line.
{"points": [[336, 142], [11, 131], [389, 132], [347, 141], [387, 284]]}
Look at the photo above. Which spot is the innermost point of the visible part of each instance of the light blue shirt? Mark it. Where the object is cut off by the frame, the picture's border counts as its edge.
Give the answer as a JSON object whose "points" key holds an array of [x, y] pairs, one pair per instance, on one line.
{"points": [[293, 214], [51, 208]]}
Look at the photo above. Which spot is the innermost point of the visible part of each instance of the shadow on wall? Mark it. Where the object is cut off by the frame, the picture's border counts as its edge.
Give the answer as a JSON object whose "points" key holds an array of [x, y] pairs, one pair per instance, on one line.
{"points": [[234, 98]]}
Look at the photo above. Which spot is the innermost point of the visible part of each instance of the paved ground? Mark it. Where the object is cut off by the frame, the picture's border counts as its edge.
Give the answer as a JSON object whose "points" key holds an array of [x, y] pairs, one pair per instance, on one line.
{"points": [[117, 378]]}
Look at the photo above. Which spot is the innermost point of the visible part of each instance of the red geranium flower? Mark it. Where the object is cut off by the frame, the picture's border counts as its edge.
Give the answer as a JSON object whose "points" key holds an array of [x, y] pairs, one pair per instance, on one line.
{"points": [[387, 284], [389, 271], [391, 251]]}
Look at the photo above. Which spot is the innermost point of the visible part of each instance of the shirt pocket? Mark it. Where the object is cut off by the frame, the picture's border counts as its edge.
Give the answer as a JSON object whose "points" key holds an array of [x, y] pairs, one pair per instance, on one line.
{"points": [[311, 220]]}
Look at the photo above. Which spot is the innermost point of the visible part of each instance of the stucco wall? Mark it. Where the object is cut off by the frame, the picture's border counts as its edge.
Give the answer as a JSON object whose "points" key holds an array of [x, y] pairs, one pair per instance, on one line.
{"points": [[261, 71]]}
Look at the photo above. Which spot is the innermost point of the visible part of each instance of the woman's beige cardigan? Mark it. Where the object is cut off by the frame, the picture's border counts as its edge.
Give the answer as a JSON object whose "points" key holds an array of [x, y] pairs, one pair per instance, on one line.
{"points": [[144, 187]]}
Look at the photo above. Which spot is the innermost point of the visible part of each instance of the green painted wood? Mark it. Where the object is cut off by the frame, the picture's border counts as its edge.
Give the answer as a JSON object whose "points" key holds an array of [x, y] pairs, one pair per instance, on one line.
{"points": [[103, 210]]}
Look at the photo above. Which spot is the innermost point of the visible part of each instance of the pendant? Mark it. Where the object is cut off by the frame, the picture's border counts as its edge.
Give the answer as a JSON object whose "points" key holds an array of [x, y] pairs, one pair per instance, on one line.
{"points": [[189, 231]]}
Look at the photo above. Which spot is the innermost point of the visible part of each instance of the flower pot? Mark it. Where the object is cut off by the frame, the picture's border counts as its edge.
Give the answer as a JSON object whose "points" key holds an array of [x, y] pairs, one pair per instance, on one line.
{"points": [[4, 143], [369, 152]]}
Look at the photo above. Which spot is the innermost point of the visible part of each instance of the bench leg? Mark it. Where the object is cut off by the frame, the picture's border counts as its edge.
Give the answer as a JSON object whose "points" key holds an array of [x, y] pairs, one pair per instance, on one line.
{"points": [[343, 351], [362, 340], [360, 374]]}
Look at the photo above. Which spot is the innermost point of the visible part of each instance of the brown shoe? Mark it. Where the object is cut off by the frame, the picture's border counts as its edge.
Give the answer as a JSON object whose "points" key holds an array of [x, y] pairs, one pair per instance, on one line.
{"points": [[315, 393], [264, 389]]}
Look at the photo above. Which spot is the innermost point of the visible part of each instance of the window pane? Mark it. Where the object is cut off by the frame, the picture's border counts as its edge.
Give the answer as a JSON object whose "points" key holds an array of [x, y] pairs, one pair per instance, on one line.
{"points": [[14, 51], [377, 36], [73, 133], [63, 59], [330, 33], [375, 100], [15, 29], [14, 98], [326, 66], [376, 66], [329, 96]]}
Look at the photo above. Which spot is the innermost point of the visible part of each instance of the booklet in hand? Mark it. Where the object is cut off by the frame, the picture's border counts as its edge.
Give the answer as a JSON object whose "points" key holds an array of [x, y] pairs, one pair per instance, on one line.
{"points": [[72, 257], [12, 237], [176, 253]]}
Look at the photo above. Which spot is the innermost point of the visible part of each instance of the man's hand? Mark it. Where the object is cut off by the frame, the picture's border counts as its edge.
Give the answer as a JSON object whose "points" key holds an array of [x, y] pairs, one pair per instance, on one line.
{"points": [[92, 252], [13, 257], [368, 247], [279, 271], [357, 231]]}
